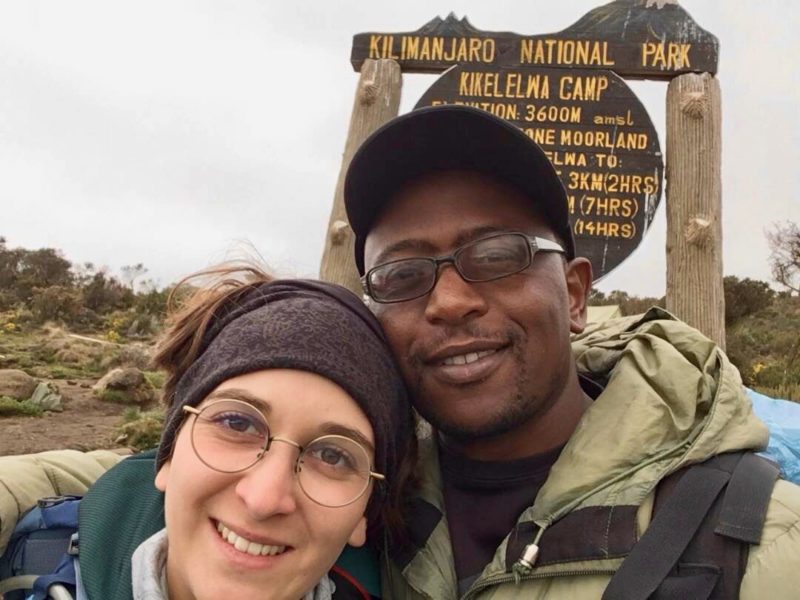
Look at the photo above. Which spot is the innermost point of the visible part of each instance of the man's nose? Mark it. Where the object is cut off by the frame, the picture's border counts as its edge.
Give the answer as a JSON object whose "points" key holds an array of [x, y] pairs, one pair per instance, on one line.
{"points": [[269, 487], [453, 300]]}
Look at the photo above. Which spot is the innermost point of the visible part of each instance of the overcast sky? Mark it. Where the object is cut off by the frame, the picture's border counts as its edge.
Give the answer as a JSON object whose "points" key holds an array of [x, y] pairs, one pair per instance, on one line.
{"points": [[172, 132]]}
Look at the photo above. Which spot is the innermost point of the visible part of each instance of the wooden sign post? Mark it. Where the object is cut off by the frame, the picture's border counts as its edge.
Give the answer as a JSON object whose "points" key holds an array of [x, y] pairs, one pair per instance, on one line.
{"points": [[377, 101], [694, 207], [566, 91]]}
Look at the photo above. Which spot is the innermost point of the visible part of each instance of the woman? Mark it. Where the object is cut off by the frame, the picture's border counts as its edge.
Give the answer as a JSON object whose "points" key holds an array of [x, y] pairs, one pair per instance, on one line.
{"points": [[287, 436]]}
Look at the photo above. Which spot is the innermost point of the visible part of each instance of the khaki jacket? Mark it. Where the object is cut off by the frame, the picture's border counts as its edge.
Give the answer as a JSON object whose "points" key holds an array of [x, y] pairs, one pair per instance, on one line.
{"points": [[671, 399]]}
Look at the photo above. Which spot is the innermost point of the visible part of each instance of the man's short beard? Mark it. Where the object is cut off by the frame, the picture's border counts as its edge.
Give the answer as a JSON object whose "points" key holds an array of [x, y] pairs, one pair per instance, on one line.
{"points": [[519, 409], [517, 413]]}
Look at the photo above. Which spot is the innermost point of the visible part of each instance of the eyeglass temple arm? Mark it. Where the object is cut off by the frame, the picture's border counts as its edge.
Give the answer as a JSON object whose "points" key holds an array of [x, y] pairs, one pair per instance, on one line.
{"points": [[546, 245], [191, 409]]}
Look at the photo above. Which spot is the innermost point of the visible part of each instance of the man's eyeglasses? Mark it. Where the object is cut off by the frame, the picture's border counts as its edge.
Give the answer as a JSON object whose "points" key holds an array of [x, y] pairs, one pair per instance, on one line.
{"points": [[231, 436], [484, 259]]}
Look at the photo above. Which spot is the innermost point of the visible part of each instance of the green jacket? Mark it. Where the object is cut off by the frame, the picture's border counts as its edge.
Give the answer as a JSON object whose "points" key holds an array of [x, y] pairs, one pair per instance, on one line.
{"points": [[671, 399]]}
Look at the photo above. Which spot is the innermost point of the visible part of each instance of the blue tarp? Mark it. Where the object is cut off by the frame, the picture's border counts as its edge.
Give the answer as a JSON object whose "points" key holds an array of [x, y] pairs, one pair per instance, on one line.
{"points": [[783, 419]]}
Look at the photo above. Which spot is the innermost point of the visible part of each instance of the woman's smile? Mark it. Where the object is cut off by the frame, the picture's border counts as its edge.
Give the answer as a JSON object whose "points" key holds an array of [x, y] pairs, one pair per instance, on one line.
{"points": [[248, 546]]}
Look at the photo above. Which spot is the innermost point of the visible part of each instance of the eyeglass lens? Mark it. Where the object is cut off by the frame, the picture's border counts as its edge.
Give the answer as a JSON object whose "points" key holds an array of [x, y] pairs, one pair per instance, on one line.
{"points": [[231, 436], [482, 260]]}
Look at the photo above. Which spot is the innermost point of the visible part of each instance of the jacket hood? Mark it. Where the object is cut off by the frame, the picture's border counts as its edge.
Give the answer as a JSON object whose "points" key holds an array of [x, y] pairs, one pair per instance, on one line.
{"points": [[671, 398]]}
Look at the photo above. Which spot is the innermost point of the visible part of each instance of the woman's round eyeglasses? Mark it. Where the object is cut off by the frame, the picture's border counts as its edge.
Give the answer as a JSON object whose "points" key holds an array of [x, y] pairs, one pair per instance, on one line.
{"points": [[231, 436]]}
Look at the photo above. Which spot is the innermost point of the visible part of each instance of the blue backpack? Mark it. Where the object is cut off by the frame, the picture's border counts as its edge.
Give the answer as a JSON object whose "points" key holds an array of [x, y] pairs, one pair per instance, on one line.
{"points": [[43, 542], [783, 419]]}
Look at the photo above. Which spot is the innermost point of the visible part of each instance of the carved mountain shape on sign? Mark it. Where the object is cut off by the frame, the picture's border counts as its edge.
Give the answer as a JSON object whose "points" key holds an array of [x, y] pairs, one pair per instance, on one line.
{"points": [[451, 26], [641, 21]]}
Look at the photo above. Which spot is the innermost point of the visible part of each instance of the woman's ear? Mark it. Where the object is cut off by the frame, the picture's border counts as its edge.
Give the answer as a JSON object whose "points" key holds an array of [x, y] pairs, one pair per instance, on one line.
{"points": [[163, 476], [359, 535]]}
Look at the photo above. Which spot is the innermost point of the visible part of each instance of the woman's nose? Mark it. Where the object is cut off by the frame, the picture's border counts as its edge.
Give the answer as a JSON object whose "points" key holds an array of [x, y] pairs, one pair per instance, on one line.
{"points": [[269, 487]]}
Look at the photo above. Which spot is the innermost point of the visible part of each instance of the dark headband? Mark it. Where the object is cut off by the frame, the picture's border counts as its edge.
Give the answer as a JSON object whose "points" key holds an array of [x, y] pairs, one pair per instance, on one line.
{"points": [[307, 325]]}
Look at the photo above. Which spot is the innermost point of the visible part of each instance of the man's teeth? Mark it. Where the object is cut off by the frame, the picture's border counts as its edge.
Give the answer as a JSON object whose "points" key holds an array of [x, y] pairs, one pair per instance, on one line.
{"points": [[245, 545], [465, 359]]}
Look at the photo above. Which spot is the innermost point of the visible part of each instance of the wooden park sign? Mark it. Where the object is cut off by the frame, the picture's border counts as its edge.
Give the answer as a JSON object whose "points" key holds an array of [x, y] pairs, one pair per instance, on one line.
{"points": [[566, 91], [595, 132]]}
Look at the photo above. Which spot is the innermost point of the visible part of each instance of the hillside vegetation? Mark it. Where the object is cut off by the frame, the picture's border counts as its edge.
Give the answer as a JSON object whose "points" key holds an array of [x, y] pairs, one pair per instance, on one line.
{"points": [[762, 332], [41, 292]]}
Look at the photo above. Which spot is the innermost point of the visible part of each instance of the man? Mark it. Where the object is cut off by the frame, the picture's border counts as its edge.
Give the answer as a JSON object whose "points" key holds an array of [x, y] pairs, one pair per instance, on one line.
{"points": [[541, 473]]}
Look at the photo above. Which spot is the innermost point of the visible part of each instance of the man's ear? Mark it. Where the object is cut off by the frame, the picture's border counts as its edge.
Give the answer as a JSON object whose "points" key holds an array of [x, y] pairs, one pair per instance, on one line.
{"points": [[163, 476], [359, 535], [579, 284]]}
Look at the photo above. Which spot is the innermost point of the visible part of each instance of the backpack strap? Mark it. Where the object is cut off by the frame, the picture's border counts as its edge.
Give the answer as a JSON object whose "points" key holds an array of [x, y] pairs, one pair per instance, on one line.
{"points": [[347, 586], [17, 582], [704, 534], [744, 506], [665, 540], [64, 577]]}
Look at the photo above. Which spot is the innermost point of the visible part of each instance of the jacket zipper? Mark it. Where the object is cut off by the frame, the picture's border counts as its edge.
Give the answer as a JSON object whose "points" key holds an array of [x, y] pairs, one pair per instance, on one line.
{"points": [[508, 578]]}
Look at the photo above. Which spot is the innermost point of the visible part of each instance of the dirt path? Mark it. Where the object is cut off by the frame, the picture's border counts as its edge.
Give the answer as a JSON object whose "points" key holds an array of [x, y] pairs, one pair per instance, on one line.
{"points": [[85, 424]]}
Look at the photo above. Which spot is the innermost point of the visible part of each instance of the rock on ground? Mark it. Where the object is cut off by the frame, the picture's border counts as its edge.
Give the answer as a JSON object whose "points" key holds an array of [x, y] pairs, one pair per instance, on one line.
{"points": [[48, 397], [125, 385], [16, 384]]}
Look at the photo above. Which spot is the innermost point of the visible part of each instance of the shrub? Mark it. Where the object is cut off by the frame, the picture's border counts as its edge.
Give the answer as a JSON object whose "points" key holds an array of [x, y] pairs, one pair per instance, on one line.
{"points": [[131, 414], [155, 378], [765, 346], [140, 430], [10, 407], [20, 316], [55, 303], [152, 302], [139, 396], [104, 294], [11, 321], [22, 271], [116, 396], [59, 372], [7, 300], [628, 305], [744, 297], [117, 324]]}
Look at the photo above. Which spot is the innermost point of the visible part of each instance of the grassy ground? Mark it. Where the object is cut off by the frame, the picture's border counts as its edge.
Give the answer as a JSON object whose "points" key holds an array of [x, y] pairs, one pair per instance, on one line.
{"points": [[74, 366], [51, 353]]}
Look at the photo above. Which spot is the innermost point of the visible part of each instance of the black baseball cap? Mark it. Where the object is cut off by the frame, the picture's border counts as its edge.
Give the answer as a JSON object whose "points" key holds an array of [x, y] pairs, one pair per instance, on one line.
{"points": [[446, 137]]}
